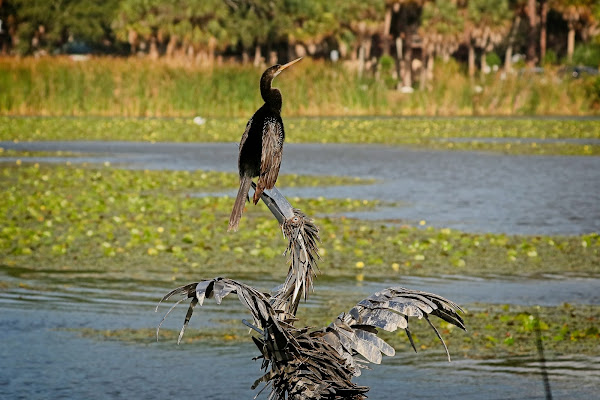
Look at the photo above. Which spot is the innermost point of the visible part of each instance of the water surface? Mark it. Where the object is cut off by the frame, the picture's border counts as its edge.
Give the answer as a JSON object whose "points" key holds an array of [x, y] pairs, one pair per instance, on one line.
{"points": [[470, 191]]}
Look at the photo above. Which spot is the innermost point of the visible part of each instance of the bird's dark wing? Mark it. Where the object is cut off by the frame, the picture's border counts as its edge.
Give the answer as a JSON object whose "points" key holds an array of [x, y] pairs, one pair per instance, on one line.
{"points": [[355, 333], [272, 150], [244, 138], [218, 288]]}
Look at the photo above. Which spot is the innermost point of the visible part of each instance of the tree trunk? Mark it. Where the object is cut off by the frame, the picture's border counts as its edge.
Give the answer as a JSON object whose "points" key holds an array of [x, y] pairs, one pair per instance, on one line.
{"points": [[343, 48], [257, 56], [132, 38], [430, 61], [212, 48], [407, 76], [153, 48], [445, 54], [531, 35], [399, 64], [571, 41], [273, 59], [423, 78], [471, 60], [387, 25], [367, 43], [361, 58], [191, 52], [508, 59], [171, 46], [427, 69], [511, 41], [543, 28], [483, 63]]}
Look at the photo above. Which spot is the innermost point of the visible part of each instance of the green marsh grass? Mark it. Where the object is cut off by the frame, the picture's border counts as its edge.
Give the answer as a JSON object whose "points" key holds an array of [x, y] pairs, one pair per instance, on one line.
{"points": [[137, 87], [494, 331], [133, 87], [109, 224], [551, 136]]}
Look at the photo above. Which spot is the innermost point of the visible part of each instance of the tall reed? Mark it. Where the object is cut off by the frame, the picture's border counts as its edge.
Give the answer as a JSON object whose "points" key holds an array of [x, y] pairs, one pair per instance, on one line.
{"points": [[136, 87]]}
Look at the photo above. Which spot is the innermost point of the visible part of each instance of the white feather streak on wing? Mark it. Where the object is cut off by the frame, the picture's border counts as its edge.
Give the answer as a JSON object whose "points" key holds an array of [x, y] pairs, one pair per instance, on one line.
{"points": [[272, 147]]}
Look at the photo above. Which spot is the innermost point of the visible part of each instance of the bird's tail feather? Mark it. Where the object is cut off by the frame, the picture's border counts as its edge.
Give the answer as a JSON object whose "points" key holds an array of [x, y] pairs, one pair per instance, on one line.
{"points": [[240, 200], [257, 192]]}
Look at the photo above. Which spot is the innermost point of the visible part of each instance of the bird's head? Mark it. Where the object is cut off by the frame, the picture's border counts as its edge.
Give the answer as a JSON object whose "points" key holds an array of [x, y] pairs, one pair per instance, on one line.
{"points": [[276, 69]]}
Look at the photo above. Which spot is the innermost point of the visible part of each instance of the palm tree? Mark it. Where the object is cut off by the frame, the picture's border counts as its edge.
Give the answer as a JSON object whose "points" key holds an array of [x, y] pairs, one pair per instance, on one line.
{"points": [[409, 20], [441, 29], [486, 22], [576, 13]]}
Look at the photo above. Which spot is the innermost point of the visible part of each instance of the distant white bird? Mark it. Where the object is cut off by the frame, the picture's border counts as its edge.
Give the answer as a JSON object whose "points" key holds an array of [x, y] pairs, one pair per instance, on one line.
{"points": [[199, 120]]}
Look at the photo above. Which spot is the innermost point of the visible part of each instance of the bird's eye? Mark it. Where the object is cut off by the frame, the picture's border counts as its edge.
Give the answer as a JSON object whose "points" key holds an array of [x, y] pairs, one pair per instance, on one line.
{"points": [[295, 219]]}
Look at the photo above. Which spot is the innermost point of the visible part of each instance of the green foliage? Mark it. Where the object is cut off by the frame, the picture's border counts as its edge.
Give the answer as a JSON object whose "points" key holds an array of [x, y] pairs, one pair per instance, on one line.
{"points": [[594, 91], [550, 58], [587, 54], [492, 59], [50, 25], [510, 330], [134, 87], [438, 133], [443, 18], [65, 213], [493, 331], [490, 13], [386, 63], [99, 219]]}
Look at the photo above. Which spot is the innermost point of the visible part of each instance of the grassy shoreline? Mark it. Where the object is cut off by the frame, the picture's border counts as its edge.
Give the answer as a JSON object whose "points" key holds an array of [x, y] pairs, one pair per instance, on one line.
{"points": [[527, 136], [133, 87], [494, 331]]}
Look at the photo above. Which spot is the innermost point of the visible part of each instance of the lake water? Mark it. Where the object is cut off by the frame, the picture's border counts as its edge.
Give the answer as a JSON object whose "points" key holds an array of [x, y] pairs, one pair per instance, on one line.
{"points": [[44, 355], [43, 358], [470, 191]]}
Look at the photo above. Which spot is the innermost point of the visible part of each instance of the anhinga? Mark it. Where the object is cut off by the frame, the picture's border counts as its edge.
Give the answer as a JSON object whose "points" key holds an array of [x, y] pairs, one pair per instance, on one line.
{"points": [[261, 146]]}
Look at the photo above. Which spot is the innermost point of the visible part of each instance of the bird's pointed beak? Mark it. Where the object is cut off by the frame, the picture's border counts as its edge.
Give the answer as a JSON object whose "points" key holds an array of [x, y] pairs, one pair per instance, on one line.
{"points": [[284, 66], [277, 203]]}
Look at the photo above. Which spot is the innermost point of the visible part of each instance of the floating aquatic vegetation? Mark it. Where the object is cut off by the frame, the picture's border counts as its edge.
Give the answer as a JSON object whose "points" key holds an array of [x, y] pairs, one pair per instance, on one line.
{"points": [[512, 136]]}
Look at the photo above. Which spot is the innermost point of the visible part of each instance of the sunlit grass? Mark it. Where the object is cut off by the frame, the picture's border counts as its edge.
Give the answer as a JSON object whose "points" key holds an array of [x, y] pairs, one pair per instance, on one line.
{"points": [[494, 331], [136, 87], [511, 136], [111, 224]]}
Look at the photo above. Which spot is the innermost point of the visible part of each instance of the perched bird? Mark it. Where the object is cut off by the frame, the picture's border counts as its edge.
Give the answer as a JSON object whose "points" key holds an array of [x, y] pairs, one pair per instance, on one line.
{"points": [[261, 145]]}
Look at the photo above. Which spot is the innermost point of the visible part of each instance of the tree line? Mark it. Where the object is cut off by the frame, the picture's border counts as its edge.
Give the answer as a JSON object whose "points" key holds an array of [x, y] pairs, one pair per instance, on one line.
{"points": [[263, 31]]}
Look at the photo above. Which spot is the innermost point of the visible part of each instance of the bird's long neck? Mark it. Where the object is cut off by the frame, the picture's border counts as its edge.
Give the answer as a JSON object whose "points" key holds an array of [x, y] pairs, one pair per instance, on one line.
{"points": [[271, 96]]}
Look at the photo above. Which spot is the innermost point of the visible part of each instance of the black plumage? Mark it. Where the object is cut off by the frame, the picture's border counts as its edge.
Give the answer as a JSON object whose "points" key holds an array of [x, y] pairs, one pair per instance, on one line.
{"points": [[261, 145]]}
